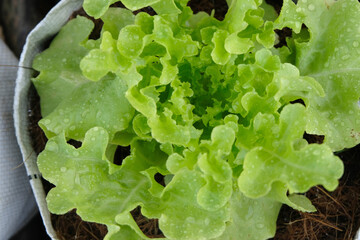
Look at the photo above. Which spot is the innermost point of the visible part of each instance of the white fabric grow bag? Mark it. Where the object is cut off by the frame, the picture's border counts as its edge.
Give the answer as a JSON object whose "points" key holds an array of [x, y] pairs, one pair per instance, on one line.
{"points": [[17, 204], [35, 42]]}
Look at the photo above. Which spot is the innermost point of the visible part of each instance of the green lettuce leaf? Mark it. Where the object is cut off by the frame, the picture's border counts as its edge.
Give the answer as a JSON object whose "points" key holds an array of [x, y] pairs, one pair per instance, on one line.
{"points": [[251, 219], [59, 67], [83, 180], [207, 110], [115, 19], [181, 216], [331, 56], [299, 169], [101, 104]]}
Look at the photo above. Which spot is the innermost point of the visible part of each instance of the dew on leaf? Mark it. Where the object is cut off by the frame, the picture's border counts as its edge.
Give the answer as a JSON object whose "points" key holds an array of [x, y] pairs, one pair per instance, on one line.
{"points": [[275, 144], [355, 43], [75, 153], [207, 221], [77, 179], [190, 219], [260, 225], [347, 56], [311, 7], [52, 146], [84, 113], [63, 169]]}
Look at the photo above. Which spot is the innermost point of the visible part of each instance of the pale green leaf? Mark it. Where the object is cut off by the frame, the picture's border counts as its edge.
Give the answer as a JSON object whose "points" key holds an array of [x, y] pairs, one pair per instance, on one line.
{"points": [[298, 169], [97, 8], [182, 217], [59, 67], [250, 219], [83, 181], [92, 104]]}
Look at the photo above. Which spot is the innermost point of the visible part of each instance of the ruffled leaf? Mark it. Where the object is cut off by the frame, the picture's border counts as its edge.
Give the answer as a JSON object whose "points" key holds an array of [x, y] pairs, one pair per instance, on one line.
{"points": [[97, 8], [335, 67], [298, 169], [182, 217], [83, 181]]}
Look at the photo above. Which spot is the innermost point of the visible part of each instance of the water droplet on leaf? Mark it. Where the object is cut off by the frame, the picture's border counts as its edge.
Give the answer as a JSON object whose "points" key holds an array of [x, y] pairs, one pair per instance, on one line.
{"points": [[311, 7], [260, 225]]}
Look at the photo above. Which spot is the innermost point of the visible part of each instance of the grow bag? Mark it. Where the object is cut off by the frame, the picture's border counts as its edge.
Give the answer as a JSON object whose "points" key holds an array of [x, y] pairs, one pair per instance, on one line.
{"points": [[35, 43], [17, 204]]}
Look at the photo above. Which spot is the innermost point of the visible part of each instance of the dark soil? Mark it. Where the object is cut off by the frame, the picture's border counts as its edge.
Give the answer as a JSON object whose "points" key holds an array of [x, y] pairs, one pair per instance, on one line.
{"points": [[338, 215], [338, 212]]}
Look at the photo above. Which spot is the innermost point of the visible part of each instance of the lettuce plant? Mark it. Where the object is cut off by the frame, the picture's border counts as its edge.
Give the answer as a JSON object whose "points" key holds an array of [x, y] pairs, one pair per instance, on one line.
{"points": [[211, 105]]}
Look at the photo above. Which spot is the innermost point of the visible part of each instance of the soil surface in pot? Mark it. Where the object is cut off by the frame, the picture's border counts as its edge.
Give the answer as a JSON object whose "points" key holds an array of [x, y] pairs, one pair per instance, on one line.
{"points": [[338, 212]]}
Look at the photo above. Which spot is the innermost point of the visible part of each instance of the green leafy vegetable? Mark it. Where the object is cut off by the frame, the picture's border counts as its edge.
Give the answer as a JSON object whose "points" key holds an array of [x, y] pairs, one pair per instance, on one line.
{"points": [[331, 56], [208, 104]]}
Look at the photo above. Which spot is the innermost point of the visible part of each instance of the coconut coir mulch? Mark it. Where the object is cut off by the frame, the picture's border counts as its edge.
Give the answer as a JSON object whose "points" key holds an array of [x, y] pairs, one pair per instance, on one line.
{"points": [[338, 212]]}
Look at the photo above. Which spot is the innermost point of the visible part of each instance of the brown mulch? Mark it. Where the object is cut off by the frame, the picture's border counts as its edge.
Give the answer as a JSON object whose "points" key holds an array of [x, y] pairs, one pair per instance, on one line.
{"points": [[338, 212]]}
